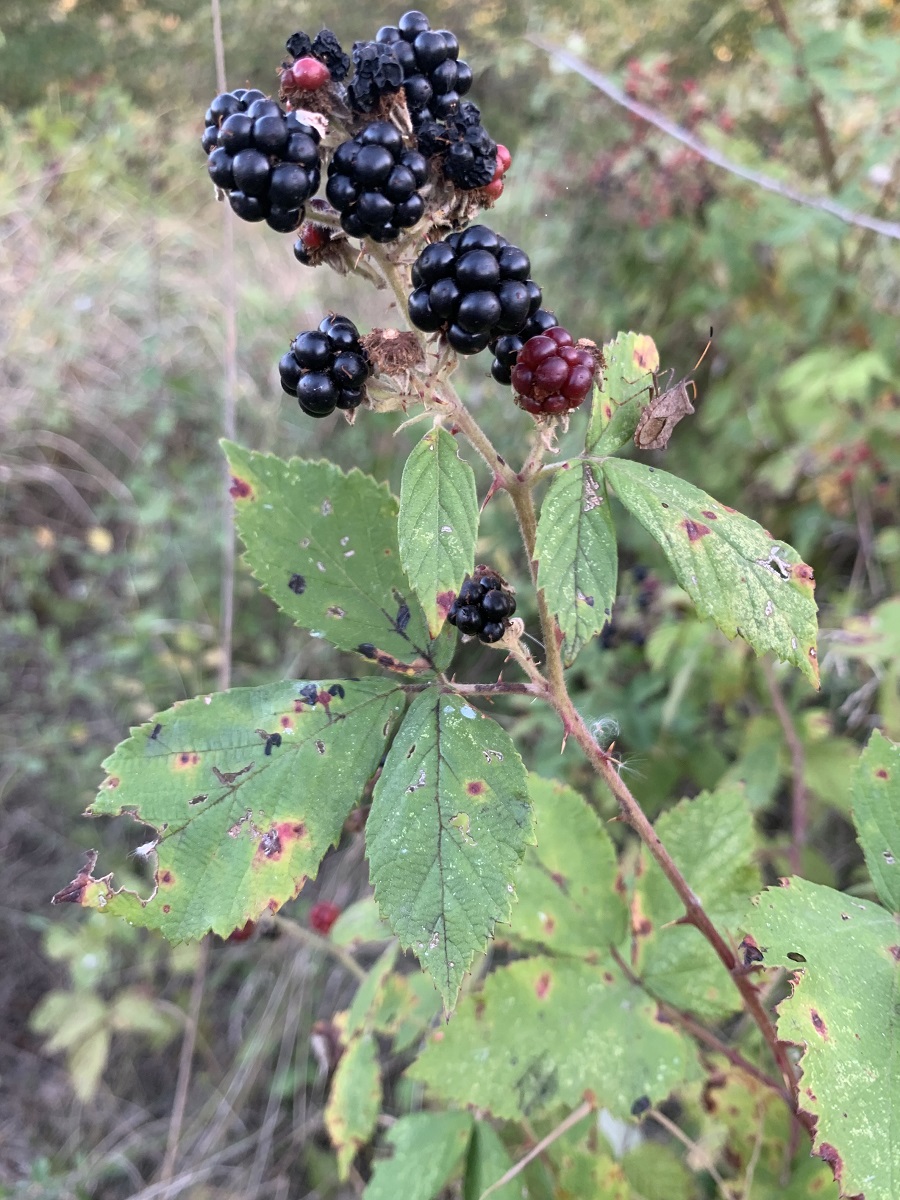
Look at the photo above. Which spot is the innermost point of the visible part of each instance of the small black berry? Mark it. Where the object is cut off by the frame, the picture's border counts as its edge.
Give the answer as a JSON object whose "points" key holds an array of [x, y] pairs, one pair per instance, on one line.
{"points": [[326, 368]]}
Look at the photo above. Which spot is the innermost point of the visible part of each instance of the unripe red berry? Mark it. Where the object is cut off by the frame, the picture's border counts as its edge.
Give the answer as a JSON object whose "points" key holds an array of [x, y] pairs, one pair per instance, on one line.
{"points": [[323, 915], [552, 375], [504, 160], [310, 74]]}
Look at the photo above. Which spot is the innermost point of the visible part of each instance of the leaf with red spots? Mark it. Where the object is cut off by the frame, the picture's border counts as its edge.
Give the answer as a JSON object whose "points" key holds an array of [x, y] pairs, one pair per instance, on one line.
{"points": [[239, 831], [543, 1031], [843, 1013], [712, 841], [438, 523], [354, 1101], [626, 389], [323, 544], [876, 812], [732, 569], [577, 555], [568, 900], [448, 827]]}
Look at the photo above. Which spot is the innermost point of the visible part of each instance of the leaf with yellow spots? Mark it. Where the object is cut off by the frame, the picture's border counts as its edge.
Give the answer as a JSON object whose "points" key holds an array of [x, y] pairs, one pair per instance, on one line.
{"points": [[245, 790], [734, 571], [448, 827], [626, 389]]}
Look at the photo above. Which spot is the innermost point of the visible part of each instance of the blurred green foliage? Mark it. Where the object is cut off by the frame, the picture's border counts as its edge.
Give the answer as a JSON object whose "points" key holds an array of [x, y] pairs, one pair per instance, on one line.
{"points": [[111, 306]]}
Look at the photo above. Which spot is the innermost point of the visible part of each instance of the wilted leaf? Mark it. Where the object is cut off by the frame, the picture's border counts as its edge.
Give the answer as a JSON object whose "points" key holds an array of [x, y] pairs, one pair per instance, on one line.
{"points": [[438, 523], [712, 841], [354, 1101], [428, 1150], [567, 895], [448, 827], [324, 546], [627, 382], [730, 567], [246, 790], [842, 1011], [577, 555], [876, 811], [543, 1031]]}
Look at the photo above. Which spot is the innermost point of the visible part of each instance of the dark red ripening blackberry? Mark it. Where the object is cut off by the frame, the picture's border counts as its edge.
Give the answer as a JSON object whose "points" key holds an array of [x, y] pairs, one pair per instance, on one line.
{"points": [[326, 368], [506, 348], [483, 607], [552, 375], [373, 183], [473, 286], [266, 159]]}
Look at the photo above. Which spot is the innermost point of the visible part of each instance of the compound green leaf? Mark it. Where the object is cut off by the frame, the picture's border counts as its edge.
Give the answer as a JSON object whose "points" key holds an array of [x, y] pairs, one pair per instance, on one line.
{"points": [[428, 1151], [577, 555], [629, 361], [730, 567], [844, 1012], [568, 900], [876, 811], [543, 1031], [246, 790], [448, 827], [324, 546], [712, 841], [438, 523], [354, 1102]]}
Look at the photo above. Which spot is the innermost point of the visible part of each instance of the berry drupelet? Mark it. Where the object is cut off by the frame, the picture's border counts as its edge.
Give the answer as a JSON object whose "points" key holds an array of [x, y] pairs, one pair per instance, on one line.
{"points": [[483, 607], [326, 368], [473, 286], [373, 183], [552, 375], [506, 348], [267, 160]]}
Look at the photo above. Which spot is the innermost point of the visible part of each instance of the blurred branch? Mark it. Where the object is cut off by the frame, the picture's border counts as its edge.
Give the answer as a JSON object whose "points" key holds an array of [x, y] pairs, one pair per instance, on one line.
{"points": [[799, 814], [890, 229], [564, 1126], [816, 99]]}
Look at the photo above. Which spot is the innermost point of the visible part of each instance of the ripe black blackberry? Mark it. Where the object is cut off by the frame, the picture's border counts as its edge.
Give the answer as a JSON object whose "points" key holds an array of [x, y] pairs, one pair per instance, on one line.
{"points": [[373, 183], [267, 160], [473, 286], [434, 75], [483, 607], [506, 348], [326, 368]]}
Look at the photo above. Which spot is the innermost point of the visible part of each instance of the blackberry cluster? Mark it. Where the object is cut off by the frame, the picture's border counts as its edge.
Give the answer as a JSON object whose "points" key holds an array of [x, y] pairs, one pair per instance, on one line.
{"points": [[373, 182], [483, 608], [552, 375], [474, 287], [326, 368], [267, 160], [324, 48], [506, 348], [434, 77]]}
